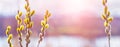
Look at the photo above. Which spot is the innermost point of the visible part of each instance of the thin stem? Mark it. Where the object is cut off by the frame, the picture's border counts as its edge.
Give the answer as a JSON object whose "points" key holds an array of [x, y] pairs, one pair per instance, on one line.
{"points": [[41, 35], [27, 38], [109, 41], [108, 32], [109, 37]]}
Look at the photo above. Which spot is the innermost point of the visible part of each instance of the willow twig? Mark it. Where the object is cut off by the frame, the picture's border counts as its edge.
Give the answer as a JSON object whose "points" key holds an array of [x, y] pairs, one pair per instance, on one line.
{"points": [[28, 22], [45, 25], [20, 27], [10, 36], [107, 18]]}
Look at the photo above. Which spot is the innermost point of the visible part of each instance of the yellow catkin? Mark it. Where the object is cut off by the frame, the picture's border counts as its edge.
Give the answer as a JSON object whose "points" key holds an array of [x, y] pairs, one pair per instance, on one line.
{"points": [[20, 14], [32, 12], [110, 19], [107, 18], [45, 25], [103, 17], [28, 22], [10, 36], [20, 27], [106, 24]]}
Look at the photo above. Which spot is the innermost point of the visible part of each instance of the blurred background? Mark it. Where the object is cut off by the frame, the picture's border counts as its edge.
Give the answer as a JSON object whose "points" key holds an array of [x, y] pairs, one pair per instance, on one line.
{"points": [[74, 23]]}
